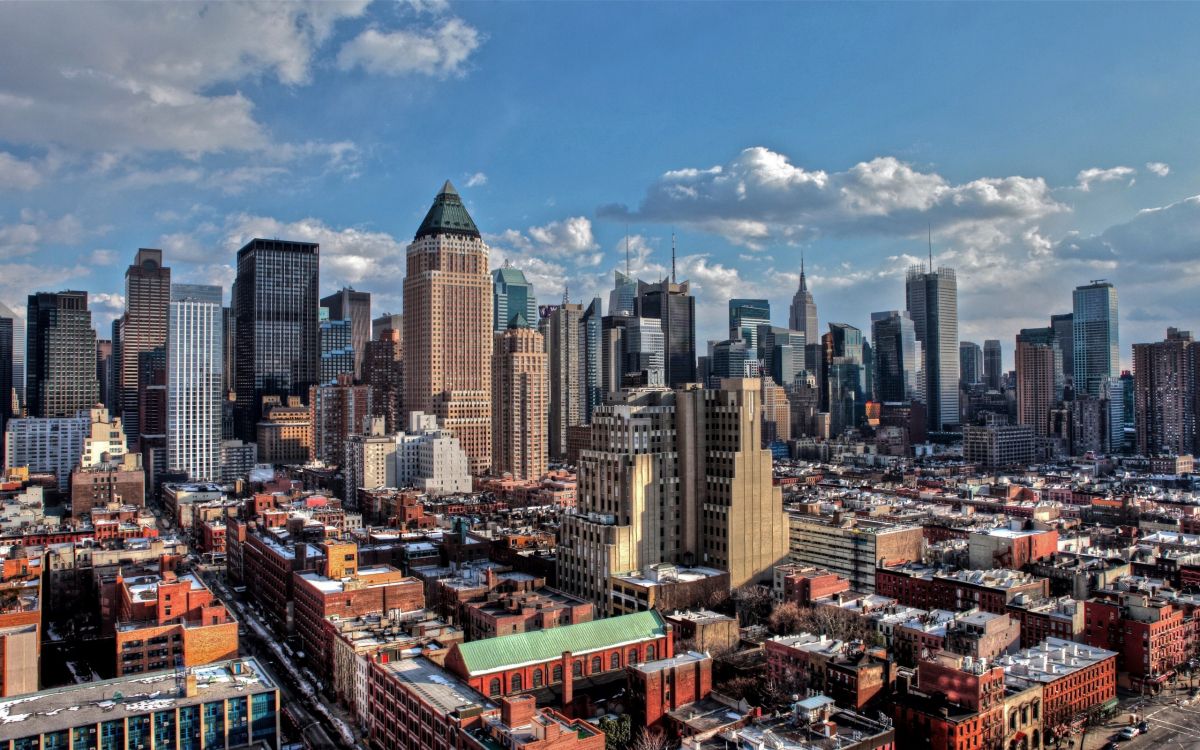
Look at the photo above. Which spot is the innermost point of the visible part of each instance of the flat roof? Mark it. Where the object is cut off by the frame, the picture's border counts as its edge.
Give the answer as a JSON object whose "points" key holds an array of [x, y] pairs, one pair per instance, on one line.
{"points": [[436, 686], [96, 702]]}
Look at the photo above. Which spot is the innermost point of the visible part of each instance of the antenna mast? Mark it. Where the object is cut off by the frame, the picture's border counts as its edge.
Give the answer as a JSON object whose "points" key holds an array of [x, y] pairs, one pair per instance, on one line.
{"points": [[626, 249], [672, 257], [930, 229]]}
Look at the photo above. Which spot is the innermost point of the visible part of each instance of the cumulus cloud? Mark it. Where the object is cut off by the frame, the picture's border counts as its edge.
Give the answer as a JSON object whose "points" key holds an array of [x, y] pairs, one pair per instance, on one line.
{"points": [[1088, 177], [761, 197], [1165, 234], [439, 50], [17, 174], [479, 179], [35, 229], [1158, 168], [566, 239]]}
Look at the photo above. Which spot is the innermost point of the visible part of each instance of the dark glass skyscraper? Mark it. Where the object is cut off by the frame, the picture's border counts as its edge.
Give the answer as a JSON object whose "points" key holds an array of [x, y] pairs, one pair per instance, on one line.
{"points": [[932, 298], [970, 362], [895, 345], [745, 316], [675, 308], [1094, 325], [142, 328], [1064, 330], [61, 355], [992, 363], [590, 330], [782, 352], [354, 306], [275, 303]]}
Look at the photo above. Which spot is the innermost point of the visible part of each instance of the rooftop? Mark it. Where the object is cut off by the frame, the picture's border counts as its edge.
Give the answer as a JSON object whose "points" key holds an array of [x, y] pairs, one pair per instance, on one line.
{"points": [[436, 686], [447, 215], [1051, 660]]}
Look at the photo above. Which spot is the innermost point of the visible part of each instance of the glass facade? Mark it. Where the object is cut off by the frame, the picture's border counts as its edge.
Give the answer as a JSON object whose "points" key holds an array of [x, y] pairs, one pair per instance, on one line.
{"points": [[1095, 339], [675, 308], [745, 316], [895, 350], [932, 301], [195, 361]]}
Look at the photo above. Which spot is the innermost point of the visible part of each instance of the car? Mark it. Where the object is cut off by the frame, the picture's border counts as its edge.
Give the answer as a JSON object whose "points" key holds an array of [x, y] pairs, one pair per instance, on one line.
{"points": [[1143, 727], [1111, 746], [1128, 733]]}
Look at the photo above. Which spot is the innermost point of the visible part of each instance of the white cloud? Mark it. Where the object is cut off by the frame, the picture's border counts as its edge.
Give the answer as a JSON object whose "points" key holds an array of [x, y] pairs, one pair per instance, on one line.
{"points": [[441, 50], [35, 229], [760, 197], [16, 174], [569, 239], [102, 257], [1158, 168], [1088, 177], [478, 179]]}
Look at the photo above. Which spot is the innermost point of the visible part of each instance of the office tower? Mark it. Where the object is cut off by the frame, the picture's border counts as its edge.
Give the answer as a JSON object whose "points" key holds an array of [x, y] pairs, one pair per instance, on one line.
{"points": [[674, 477], [1128, 391], [141, 328], [932, 298], [730, 359], [195, 366], [448, 326], [337, 348], [7, 393], [802, 316], [591, 331], [383, 372], [519, 402], [1094, 324], [1112, 400], [846, 378], [745, 316], [1039, 377], [566, 369], [104, 363], [512, 296], [285, 433], [58, 445], [1165, 403], [338, 410], [992, 367], [776, 414], [278, 341], [152, 411], [354, 306], [228, 350], [895, 346], [387, 321], [675, 308], [644, 353], [1064, 331], [17, 371], [782, 353], [61, 355], [970, 363], [622, 300]]}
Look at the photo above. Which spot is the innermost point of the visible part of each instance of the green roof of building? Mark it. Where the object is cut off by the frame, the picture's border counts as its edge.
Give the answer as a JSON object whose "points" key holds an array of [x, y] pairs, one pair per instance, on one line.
{"points": [[447, 215], [492, 654]]}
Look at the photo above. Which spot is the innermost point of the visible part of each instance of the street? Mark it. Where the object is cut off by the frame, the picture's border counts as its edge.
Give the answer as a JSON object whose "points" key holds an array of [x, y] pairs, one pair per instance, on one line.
{"points": [[1171, 726]]}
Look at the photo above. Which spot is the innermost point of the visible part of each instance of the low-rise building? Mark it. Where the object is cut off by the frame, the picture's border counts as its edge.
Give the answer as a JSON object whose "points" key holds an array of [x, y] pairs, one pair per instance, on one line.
{"points": [[658, 687], [852, 548], [664, 587], [1151, 635], [704, 630], [1076, 679]]}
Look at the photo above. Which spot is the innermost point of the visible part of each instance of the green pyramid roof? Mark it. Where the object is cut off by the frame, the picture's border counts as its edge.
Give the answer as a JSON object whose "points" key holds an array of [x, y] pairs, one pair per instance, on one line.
{"points": [[447, 215]]}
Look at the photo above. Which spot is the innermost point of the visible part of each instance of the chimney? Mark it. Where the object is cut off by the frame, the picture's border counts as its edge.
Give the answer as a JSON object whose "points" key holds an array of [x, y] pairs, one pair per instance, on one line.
{"points": [[189, 686], [568, 694]]}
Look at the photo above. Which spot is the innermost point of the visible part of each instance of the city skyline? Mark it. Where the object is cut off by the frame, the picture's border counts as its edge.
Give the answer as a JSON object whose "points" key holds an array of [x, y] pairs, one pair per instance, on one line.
{"points": [[1045, 209]]}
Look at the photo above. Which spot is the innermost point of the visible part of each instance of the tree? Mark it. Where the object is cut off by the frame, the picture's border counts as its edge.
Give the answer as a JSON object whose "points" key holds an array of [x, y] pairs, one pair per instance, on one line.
{"points": [[786, 619], [752, 603], [648, 739], [617, 732]]}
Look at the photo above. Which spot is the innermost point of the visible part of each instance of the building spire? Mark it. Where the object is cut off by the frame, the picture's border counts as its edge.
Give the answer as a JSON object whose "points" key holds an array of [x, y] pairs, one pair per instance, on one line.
{"points": [[566, 295], [930, 230], [672, 257], [626, 249]]}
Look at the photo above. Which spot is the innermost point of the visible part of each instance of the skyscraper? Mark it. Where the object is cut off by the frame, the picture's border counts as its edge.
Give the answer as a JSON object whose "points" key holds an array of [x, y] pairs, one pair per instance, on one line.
{"points": [[519, 402], [622, 300], [275, 301], [337, 347], [970, 362], [675, 308], [1039, 377], [782, 352], [1094, 324], [591, 330], [448, 326], [745, 316], [847, 377], [644, 348], [17, 371], [1064, 331], [104, 371], [60, 355], [512, 296], [992, 367], [7, 394], [354, 306], [1165, 403], [895, 345], [566, 368], [803, 313], [932, 298], [142, 328], [384, 374], [195, 364], [392, 321]]}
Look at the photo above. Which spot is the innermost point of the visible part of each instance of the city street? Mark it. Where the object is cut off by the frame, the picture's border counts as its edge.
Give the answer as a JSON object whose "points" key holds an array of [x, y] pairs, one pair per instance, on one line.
{"points": [[1171, 725]]}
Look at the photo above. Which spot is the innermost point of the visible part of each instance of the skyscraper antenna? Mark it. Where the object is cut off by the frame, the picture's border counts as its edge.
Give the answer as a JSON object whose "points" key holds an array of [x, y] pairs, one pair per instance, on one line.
{"points": [[566, 294], [672, 257], [930, 229], [801, 261], [626, 249]]}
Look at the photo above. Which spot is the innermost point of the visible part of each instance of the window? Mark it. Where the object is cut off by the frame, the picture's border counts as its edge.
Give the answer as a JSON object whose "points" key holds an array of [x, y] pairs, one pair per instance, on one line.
{"points": [[615, 661], [556, 675], [577, 669], [537, 678], [516, 683], [649, 652], [632, 658], [597, 664]]}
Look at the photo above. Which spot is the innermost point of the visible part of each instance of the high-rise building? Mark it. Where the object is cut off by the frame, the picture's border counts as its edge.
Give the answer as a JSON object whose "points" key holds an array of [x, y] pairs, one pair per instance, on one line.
{"points": [[512, 296], [622, 300], [675, 308], [1039, 377], [104, 371], [782, 353], [1165, 403], [17, 371], [803, 314], [591, 330], [7, 393], [519, 402], [644, 350], [846, 379], [448, 326], [729, 359], [1096, 356], [337, 348], [392, 321], [61, 355], [932, 298], [275, 301], [895, 346], [992, 368], [142, 328], [228, 350], [745, 316], [195, 364], [383, 372], [970, 363], [566, 369], [1064, 330], [338, 410], [674, 477], [354, 306]]}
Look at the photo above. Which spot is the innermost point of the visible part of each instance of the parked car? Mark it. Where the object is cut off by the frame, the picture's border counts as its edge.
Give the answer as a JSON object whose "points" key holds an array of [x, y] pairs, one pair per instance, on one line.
{"points": [[1143, 727], [1128, 733], [1111, 746]]}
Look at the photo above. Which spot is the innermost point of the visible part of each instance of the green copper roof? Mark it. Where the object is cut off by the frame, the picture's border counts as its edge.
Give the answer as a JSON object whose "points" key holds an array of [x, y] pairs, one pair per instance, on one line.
{"points": [[447, 215], [540, 646]]}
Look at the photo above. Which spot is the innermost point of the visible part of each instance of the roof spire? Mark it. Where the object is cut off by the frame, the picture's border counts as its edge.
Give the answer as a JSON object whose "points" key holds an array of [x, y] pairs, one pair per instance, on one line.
{"points": [[566, 295], [930, 230], [626, 249], [672, 257]]}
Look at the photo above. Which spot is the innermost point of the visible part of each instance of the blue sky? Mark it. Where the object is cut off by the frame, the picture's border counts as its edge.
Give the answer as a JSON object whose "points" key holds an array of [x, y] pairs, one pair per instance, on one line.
{"points": [[1043, 145]]}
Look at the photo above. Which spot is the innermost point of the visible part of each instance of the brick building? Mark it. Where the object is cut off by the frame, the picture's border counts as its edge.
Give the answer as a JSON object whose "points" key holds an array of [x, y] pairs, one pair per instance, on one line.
{"points": [[555, 658], [658, 687], [703, 630], [1075, 679], [523, 726], [20, 622], [854, 676], [415, 705], [1013, 546], [804, 584], [1151, 636], [665, 586], [164, 620], [269, 557], [121, 481], [505, 613], [956, 704], [932, 588], [1061, 617]]}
